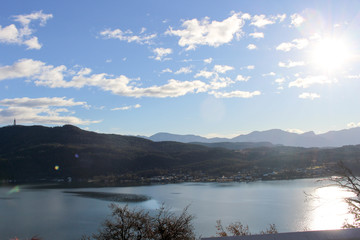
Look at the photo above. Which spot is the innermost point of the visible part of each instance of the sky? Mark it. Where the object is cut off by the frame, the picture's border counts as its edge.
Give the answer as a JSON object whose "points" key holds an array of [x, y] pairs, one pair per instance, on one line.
{"points": [[205, 67]]}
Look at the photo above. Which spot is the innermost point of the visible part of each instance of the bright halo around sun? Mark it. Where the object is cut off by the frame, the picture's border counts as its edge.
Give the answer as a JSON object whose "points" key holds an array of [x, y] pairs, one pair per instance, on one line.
{"points": [[330, 54]]}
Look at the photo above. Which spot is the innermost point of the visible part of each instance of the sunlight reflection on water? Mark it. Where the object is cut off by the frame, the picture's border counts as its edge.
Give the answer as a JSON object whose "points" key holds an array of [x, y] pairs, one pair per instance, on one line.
{"points": [[329, 208]]}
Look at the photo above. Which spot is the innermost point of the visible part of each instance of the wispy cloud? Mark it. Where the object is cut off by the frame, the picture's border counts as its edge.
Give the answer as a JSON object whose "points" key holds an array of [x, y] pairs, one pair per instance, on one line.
{"points": [[257, 35], [126, 107], [291, 64], [184, 70], [248, 67], [166, 70], [310, 80], [235, 94], [310, 96], [296, 43], [128, 36], [269, 74]]}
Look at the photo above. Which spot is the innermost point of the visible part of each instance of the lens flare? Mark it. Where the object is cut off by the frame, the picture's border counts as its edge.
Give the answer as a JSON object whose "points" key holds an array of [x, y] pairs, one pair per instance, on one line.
{"points": [[15, 189]]}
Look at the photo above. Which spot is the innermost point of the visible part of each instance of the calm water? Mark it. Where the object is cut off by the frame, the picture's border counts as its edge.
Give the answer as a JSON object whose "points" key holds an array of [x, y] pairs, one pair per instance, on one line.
{"points": [[54, 215]]}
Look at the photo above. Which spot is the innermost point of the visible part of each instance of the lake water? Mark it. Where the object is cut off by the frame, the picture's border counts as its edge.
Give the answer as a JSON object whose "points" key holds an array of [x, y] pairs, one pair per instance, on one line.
{"points": [[55, 215]]}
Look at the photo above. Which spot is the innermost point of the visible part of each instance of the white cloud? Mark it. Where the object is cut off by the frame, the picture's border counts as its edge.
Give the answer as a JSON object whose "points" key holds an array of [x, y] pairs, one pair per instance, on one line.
{"points": [[54, 77], [250, 67], [353, 76], [310, 80], [222, 68], [205, 74], [237, 94], [261, 21], [296, 20], [22, 68], [281, 17], [23, 35], [218, 81], [166, 70], [353, 125], [128, 36], [26, 19], [184, 70], [251, 47], [310, 96], [126, 107], [257, 35], [269, 74], [9, 34], [280, 80], [296, 43], [204, 32], [40, 102], [246, 16], [161, 53], [291, 64], [294, 130], [40, 111], [208, 60], [241, 78], [33, 43]]}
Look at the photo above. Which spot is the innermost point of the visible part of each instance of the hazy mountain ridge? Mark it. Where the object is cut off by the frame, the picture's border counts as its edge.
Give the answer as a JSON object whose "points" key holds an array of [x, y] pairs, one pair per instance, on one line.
{"points": [[277, 137]]}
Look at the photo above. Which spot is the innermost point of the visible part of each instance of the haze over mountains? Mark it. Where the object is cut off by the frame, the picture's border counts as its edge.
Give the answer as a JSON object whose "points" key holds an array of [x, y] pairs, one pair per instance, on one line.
{"points": [[275, 136]]}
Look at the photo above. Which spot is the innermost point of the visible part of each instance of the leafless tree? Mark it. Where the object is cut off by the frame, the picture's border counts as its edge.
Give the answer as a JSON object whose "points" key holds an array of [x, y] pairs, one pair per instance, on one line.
{"points": [[347, 180], [132, 224], [238, 229]]}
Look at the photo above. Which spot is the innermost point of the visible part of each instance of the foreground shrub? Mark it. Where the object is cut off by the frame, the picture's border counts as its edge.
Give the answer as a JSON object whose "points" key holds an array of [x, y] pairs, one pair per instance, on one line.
{"points": [[238, 229], [132, 224]]}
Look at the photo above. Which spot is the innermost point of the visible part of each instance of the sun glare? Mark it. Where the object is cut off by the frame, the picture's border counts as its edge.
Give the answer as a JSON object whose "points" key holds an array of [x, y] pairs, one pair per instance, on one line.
{"points": [[330, 211], [330, 54]]}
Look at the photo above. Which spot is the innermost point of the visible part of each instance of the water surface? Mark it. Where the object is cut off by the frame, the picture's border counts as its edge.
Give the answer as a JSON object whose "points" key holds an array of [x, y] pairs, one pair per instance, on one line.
{"points": [[55, 215]]}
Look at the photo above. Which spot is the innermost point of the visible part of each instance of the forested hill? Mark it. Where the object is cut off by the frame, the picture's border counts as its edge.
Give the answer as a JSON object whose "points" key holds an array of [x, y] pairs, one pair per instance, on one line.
{"points": [[31, 152], [34, 152]]}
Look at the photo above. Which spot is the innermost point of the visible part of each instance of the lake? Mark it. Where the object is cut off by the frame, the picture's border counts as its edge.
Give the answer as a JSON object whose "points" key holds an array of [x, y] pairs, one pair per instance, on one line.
{"points": [[54, 215]]}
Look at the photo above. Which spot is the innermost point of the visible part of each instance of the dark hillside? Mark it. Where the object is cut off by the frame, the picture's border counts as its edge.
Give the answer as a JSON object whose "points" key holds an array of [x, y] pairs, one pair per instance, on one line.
{"points": [[33, 152]]}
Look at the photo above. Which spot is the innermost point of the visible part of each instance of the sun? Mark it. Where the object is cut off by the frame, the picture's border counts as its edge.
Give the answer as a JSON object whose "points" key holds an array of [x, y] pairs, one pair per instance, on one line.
{"points": [[330, 54]]}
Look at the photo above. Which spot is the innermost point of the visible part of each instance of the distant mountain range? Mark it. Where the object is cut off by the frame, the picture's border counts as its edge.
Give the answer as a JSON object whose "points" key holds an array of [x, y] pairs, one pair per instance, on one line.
{"points": [[275, 136]]}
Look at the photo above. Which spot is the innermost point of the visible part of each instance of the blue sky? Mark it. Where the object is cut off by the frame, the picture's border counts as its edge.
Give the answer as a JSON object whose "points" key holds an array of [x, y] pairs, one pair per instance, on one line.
{"points": [[211, 68]]}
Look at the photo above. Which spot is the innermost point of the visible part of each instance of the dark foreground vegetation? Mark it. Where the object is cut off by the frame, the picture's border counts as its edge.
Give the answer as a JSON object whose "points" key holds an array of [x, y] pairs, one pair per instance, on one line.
{"points": [[37, 153], [127, 224]]}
